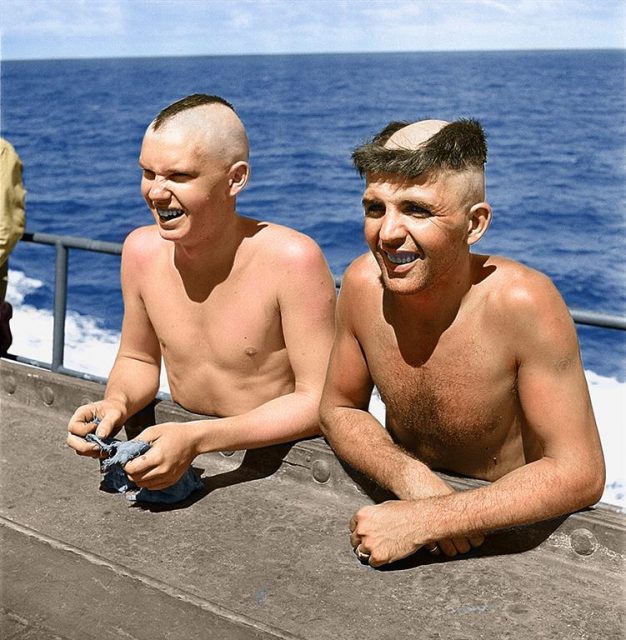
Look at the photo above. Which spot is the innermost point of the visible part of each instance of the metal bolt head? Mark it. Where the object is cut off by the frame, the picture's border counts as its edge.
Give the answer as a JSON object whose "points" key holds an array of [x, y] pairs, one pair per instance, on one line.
{"points": [[47, 395], [10, 385], [583, 542], [321, 471]]}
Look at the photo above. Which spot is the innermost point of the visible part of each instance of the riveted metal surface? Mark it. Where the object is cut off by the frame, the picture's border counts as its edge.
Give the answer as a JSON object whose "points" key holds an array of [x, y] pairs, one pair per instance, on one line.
{"points": [[263, 551]]}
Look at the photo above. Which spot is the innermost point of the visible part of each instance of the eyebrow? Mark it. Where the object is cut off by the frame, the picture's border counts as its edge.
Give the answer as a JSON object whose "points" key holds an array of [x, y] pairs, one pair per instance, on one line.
{"points": [[406, 201]]}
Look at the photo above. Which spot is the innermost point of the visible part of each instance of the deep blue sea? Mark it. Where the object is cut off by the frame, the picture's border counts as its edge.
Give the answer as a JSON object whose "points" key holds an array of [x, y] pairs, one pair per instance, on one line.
{"points": [[555, 123]]}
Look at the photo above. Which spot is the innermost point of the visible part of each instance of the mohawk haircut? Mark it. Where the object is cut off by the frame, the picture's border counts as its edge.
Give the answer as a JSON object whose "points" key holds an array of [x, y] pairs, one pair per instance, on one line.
{"points": [[189, 102], [457, 146]]}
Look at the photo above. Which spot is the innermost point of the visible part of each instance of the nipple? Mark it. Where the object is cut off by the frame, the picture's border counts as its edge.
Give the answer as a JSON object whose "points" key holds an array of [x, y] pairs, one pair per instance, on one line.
{"points": [[251, 351]]}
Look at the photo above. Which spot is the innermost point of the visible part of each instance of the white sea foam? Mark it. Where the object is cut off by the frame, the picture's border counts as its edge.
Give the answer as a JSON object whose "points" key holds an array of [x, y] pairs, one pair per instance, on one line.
{"points": [[91, 349]]}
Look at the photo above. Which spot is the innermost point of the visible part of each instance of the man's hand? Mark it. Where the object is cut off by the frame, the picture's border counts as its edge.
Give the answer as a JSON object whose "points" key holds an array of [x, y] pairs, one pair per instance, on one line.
{"points": [[419, 490], [173, 448], [105, 418], [395, 529]]}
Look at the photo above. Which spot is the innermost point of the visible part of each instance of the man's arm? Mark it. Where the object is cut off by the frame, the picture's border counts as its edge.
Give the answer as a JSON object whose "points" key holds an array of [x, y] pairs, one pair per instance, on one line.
{"points": [[355, 435], [306, 300], [134, 378], [556, 405]]}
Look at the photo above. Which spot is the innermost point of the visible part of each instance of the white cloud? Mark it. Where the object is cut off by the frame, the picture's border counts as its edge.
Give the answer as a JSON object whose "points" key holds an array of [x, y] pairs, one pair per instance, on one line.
{"points": [[63, 18], [55, 28]]}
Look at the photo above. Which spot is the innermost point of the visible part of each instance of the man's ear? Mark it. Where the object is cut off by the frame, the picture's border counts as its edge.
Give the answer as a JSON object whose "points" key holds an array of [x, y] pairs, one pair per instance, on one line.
{"points": [[477, 222], [238, 177]]}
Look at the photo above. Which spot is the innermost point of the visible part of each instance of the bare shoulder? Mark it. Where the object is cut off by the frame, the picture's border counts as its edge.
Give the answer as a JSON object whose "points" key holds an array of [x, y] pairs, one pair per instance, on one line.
{"points": [[363, 274], [517, 286], [142, 245], [525, 300], [290, 250]]}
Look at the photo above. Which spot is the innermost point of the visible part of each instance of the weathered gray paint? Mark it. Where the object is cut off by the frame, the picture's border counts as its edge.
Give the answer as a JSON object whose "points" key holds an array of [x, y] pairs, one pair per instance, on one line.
{"points": [[263, 551]]}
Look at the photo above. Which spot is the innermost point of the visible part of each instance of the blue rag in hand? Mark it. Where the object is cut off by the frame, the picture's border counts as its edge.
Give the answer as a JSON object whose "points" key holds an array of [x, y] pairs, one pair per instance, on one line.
{"points": [[115, 479]]}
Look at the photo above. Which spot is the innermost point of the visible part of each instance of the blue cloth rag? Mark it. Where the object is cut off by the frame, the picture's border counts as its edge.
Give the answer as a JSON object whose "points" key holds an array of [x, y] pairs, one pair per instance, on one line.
{"points": [[115, 479]]}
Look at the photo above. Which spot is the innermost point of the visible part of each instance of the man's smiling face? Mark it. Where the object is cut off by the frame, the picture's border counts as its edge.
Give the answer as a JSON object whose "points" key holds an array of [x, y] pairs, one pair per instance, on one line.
{"points": [[416, 229], [185, 188]]}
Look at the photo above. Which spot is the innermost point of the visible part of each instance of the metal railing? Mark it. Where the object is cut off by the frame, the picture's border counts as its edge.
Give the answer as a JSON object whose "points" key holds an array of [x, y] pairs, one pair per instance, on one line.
{"points": [[64, 243]]}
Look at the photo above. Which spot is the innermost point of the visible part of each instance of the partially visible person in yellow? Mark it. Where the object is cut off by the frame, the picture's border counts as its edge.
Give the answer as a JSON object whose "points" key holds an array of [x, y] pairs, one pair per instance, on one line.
{"points": [[12, 220]]}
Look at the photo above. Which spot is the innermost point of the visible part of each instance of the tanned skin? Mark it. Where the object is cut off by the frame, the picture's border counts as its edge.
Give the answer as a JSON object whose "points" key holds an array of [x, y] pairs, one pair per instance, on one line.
{"points": [[477, 361], [241, 311]]}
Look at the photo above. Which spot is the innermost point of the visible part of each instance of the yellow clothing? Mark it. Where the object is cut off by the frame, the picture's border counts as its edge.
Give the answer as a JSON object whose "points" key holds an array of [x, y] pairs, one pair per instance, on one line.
{"points": [[12, 214]]}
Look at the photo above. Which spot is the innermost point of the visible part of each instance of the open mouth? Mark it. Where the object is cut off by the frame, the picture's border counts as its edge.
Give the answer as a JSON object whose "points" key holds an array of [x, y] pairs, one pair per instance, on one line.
{"points": [[402, 257], [169, 214]]}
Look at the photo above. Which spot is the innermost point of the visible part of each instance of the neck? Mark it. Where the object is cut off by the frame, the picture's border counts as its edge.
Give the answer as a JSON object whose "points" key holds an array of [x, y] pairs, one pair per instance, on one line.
{"points": [[439, 304], [211, 256]]}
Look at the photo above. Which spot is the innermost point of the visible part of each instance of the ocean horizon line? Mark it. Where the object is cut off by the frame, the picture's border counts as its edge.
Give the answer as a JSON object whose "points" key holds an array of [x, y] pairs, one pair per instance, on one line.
{"points": [[318, 54]]}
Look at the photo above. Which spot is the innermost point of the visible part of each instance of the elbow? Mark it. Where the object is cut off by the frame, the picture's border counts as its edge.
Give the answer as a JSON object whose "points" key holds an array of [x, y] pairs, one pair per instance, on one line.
{"points": [[595, 485], [590, 485]]}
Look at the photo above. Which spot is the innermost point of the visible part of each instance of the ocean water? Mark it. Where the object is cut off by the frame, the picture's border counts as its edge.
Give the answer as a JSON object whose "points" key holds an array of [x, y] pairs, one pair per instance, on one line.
{"points": [[555, 123]]}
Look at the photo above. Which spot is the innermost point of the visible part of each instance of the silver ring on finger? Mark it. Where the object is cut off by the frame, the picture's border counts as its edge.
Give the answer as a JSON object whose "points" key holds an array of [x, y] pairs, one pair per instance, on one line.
{"points": [[362, 556], [434, 549]]}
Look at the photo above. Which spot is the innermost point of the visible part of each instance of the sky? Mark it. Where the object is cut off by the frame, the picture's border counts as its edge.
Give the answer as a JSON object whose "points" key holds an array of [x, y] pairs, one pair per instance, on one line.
{"points": [[47, 29]]}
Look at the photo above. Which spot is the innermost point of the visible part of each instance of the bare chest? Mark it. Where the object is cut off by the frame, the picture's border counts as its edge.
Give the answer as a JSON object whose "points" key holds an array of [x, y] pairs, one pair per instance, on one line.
{"points": [[234, 325], [456, 393]]}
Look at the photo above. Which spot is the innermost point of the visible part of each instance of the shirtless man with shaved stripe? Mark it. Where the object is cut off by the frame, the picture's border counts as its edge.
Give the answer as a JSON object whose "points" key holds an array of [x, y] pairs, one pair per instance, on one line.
{"points": [[241, 311], [476, 359]]}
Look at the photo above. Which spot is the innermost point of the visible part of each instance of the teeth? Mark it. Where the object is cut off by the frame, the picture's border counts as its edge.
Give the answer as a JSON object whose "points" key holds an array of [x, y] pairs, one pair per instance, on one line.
{"points": [[169, 214], [403, 257]]}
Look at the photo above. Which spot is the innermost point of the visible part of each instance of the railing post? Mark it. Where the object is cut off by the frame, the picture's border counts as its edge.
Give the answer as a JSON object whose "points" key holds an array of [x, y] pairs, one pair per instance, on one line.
{"points": [[60, 301]]}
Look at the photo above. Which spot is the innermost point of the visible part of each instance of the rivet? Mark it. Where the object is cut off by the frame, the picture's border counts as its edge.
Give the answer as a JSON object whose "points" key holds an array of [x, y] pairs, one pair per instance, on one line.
{"points": [[47, 395], [321, 471], [10, 385], [227, 454], [583, 542]]}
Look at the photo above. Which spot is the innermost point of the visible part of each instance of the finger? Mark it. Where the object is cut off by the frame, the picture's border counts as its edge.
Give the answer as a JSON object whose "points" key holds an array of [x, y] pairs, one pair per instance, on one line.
{"points": [[81, 423], [353, 522], [155, 484], [447, 548], [108, 424], [476, 540], [355, 540], [140, 467], [461, 544], [82, 447]]}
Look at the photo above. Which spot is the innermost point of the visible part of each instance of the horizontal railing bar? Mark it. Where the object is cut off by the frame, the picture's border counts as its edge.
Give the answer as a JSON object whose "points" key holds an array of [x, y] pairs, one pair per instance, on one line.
{"points": [[580, 316], [73, 242], [594, 319]]}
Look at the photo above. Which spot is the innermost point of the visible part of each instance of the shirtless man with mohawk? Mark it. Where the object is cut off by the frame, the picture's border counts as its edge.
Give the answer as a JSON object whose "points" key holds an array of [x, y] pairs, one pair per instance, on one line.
{"points": [[240, 310], [476, 359]]}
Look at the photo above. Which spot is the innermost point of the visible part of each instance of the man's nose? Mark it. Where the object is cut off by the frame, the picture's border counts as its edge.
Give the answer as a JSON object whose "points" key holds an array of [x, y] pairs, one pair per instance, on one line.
{"points": [[158, 189], [392, 228]]}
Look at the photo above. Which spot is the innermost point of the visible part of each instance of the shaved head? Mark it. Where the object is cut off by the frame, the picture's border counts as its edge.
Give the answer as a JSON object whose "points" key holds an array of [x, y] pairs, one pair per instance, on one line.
{"points": [[414, 135], [219, 132], [410, 150]]}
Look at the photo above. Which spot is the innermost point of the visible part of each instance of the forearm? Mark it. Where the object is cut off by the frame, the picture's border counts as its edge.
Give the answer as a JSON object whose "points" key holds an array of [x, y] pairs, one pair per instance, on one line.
{"points": [[132, 384], [283, 419], [359, 439], [537, 491]]}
